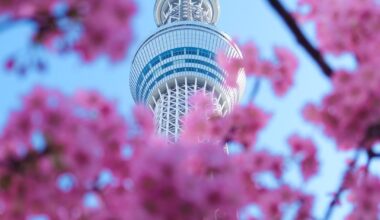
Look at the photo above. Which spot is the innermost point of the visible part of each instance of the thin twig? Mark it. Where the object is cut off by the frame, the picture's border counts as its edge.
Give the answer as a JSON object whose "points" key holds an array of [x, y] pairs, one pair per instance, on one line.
{"points": [[341, 188], [301, 38], [371, 155], [255, 89]]}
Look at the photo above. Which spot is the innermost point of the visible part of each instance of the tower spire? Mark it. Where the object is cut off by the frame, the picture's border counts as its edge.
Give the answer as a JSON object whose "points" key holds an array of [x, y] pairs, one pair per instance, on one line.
{"points": [[169, 11]]}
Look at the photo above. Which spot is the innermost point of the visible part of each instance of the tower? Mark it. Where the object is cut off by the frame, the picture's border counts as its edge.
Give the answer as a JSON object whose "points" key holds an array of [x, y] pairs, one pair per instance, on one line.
{"points": [[180, 59]]}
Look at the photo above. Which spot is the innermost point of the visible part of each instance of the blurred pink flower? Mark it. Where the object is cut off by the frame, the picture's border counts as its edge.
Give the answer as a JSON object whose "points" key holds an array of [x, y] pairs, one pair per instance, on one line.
{"points": [[279, 72], [306, 151]]}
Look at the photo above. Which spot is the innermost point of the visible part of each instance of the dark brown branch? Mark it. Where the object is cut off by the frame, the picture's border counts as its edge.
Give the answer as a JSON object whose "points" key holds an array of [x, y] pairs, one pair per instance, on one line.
{"points": [[44, 20], [371, 155], [20, 164], [301, 38], [342, 187], [376, 155], [15, 164]]}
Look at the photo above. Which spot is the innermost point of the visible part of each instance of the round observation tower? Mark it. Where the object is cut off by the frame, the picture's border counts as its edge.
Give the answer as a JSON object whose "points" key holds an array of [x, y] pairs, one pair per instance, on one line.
{"points": [[180, 59]]}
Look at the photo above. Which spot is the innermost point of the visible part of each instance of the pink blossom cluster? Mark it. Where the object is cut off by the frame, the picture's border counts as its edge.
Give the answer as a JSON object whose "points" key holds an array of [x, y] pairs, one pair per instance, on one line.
{"points": [[196, 179], [273, 202], [83, 136], [305, 151], [350, 113], [54, 137], [200, 181], [241, 125], [279, 72], [363, 195], [185, 182], [345, 25], [105, 26], [26, 9]]}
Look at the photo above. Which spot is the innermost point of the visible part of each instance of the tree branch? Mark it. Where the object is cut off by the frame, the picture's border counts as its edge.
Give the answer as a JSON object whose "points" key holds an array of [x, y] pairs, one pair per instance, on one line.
{"points": [[371, 155], [255, 89], [301, 38], [341, 188]]}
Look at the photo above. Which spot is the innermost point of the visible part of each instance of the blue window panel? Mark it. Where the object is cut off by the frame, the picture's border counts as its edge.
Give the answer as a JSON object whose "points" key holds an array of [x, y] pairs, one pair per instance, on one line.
{"points": [[149, 77], [190, 69], [182, 69], [185, 69], [146, 69], [192, 51], [179, 51], [167, 65], [166, 55], [140, 80], [155, 61], [176, 52], [204, 53], [205, 64]]}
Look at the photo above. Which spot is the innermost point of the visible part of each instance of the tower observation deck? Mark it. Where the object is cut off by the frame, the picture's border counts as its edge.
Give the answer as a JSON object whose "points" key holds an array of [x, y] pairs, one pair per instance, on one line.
{"points": [[179, 59]]}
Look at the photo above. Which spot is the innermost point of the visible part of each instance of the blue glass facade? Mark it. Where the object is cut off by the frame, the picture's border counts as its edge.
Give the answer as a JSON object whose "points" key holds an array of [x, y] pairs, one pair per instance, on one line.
{"points": [[147, 80]]}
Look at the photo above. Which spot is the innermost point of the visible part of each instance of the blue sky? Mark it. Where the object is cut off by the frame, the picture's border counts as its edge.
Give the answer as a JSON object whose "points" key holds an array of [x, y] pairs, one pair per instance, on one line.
{"points": [[243, 19]]}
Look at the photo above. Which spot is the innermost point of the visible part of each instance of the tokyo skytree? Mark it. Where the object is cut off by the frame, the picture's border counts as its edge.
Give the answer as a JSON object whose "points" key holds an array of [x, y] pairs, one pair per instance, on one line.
{"points": [[179, 59]]}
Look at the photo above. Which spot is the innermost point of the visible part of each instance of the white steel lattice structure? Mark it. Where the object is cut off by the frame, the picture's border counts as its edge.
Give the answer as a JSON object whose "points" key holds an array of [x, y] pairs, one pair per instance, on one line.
{"points": [[180, 59]]}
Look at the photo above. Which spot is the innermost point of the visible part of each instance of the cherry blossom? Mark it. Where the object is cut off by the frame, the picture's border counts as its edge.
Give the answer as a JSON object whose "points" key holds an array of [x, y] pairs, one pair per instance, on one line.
{"points": [[200, 181], [58, 150], [55, 137], [106, 28], [344, 26], [179, 182], [364, 196], [353, 103], [279, 72], [306, 151], [241, 125], [100, 27], [271, 201]]}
